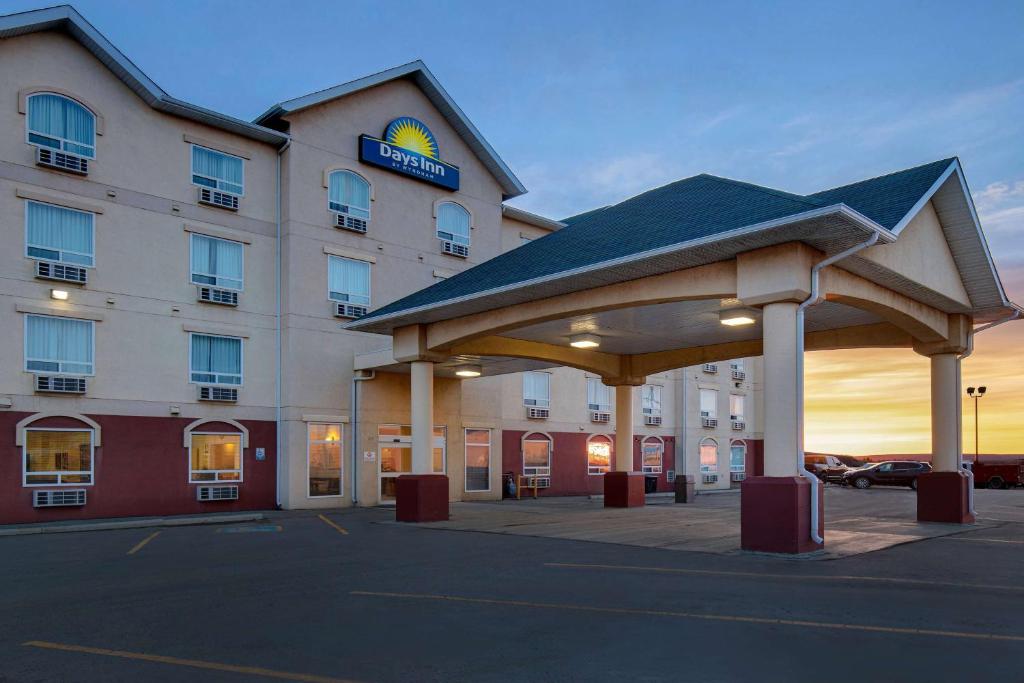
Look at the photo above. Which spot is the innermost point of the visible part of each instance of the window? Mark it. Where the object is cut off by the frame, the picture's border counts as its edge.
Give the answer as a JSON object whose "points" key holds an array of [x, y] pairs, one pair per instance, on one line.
{"points": [[348, 280], [61, 123], [53, 233], [737, 457], [62, 345], [537, 389], [215, 457], [216, 360], [650, 398], [57, 457], [216, 262], [708, 403], [440, 448], [537, 455], [709, 456], [323, 457], [478, 460], [736, 364], [599, 454], [453, 223], [598, 395], [217, 170], [652, 455], [349, 194], [736, 406]]}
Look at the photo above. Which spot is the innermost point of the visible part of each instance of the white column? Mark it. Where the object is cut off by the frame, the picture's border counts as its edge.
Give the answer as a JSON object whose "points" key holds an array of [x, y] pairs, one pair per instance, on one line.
{"points": [[945, 413], [422, 399], [780, 390], [624, 428]]}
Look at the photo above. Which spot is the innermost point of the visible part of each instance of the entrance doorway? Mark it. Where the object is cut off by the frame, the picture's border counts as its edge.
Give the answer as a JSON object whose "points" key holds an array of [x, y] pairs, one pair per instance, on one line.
{"points": [[394, 455]]}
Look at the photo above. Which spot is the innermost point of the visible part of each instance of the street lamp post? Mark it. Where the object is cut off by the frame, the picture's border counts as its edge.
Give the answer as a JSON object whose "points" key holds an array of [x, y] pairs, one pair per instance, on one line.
{"points": [[976, 394]]}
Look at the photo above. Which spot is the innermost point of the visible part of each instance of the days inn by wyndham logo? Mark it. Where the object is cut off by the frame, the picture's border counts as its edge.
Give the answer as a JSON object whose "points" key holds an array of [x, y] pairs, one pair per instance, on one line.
{"points": [[408, 147]]}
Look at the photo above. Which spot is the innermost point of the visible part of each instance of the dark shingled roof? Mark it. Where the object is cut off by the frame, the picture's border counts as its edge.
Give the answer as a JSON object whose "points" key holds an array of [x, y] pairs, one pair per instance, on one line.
{"points": [[686, 210]]}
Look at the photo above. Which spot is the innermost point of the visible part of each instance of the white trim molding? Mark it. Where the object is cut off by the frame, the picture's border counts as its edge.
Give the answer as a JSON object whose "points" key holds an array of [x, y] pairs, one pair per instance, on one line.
{"points": [[187, 440], [19, 429]]}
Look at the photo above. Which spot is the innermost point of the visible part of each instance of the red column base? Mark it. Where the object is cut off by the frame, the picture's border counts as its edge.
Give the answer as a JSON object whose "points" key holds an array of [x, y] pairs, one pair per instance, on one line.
{"points": [[944, 497], [421, 498], [623, 489], [775, 515]]}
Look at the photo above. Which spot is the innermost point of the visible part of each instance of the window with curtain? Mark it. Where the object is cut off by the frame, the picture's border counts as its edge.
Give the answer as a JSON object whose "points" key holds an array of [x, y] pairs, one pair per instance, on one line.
{"points": [[324, 459], [738, 457], [61, 123], [56, 457], [61, 345], [216, 262], [736, 406], [348, 280], [216, 360], [709, 456], [53, 233], [218, 170], [537, 389], [478, 460], [453, 223], [348, 193], [537, 455], [708, 403], [599, 454], [650, 399], [652, 455], [215, 457], [598, 395]]}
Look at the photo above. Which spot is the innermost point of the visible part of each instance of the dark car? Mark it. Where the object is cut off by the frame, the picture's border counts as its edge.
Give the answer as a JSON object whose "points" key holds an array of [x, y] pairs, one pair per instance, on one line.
{"points": [[892, 473]]}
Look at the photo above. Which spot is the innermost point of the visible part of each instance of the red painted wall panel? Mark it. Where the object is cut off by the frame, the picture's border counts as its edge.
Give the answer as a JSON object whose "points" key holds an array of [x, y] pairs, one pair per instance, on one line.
{"points": [[141, 469]]}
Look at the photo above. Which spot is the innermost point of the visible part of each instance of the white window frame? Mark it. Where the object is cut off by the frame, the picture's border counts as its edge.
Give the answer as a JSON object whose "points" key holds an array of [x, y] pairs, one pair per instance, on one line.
{"points": [[598, 470], [457, 239], [217, 181], [700, 407], [63, 141], [241, 362], [369, 281], [707, 469], [740, 416], [59, 475], [217, 473], [192, 269], [346, 208], [60, 259], [647, 393], [605, 407], [61, 371], [740, 443], [537, 402], [341, 459], [531, 471], [465, 462], [652, 469]]}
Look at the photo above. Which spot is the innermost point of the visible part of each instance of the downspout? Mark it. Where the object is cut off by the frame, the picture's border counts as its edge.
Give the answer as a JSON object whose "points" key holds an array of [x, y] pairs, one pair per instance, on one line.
{"points": [[278, 352], [810, 301], [962, 357], [356, 379]]}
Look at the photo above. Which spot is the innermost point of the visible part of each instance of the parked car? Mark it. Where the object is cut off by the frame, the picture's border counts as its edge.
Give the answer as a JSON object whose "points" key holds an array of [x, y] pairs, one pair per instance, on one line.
{"points": [[892, 473], [817, 464]]}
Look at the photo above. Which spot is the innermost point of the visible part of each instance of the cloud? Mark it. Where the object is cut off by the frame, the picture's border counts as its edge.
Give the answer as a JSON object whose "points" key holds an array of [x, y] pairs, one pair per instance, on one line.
{"points": [[1001, 212]]}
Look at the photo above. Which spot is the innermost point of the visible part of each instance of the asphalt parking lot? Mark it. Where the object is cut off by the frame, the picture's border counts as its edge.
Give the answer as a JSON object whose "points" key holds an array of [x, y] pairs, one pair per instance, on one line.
{"points": [[353, 596]]}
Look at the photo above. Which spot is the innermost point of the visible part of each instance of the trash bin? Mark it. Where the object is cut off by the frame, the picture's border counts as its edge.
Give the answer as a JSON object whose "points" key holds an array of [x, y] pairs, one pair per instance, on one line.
{"points": [[684, 488], [650, 484]]}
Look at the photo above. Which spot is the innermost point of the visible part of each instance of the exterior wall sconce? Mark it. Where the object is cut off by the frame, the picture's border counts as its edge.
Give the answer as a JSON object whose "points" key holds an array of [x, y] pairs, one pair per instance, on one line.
{"points": [[59, 294]]}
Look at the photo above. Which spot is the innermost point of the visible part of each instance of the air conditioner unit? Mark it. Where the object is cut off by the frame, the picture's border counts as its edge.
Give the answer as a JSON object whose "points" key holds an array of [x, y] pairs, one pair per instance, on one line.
{"points": [[62, 161], [224, 394], [706, 421], [349, 310], [214, 493], [670, 476], [738, 476], [454, 249], [710, 368], [59, 384], [535, 413], [350, 223], [710, 479], [652, 420], [540, 482], [739, 425], [58, 498], [739, 375], [58, 271], [212, 295], [600, 416], [222, 200]]}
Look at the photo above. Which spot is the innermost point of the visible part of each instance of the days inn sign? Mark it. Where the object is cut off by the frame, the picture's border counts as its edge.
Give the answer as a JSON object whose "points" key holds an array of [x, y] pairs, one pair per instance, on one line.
{"points": [[408, 147]]}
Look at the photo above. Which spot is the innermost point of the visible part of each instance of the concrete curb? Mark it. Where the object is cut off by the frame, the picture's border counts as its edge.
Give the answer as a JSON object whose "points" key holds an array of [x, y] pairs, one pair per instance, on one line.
{"points": [[132, 524]]}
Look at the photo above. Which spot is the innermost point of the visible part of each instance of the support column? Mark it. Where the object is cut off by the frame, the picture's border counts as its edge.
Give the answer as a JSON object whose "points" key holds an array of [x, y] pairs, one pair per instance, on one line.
{"points": [[623, 488], [775, 509], [422, 496], [944, 494]]}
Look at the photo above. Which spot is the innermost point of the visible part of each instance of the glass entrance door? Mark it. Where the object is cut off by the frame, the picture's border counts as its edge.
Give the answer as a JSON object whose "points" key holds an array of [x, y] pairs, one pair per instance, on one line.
{"points": [[395, 457]]}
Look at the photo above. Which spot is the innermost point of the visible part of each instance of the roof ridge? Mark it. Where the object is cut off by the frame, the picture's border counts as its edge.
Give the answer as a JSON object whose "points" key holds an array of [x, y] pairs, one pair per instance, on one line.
{"points": [[950, 160], [766, 190]]}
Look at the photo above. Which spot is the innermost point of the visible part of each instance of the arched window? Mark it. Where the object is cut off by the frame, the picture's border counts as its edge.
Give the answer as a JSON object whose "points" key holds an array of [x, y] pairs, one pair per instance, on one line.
{"points": [[537, 454], [453, 223], [61, 123], [652, 455], [738, 457], [708, 456], [348, 193], [599, 454]]}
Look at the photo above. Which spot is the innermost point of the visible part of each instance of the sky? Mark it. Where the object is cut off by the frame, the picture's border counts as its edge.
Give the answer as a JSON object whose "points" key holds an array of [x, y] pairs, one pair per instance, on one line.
{"points": [[592, 102]]}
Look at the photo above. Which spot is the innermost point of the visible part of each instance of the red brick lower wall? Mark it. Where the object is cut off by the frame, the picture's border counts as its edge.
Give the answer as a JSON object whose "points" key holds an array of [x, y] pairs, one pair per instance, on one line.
{"points": [[141, 469], [569, 462]]}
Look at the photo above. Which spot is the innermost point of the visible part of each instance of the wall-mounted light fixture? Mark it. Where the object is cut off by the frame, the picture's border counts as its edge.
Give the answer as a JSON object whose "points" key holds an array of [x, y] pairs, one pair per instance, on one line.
{"points": [[734, 317], [468, 371], [584, 341], [59, 294]]}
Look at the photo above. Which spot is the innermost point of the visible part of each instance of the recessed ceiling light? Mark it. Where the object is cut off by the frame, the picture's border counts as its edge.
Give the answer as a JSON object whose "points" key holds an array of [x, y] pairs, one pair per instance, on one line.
{"points": [[734, 317], [585, 341], [468, 371]]}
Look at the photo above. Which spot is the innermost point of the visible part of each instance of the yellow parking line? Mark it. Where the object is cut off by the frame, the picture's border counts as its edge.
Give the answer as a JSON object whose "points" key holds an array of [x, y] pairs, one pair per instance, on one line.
{"points": [[336, 527], [981, 540], [794, 577], [143, 542], [703, 616], [194, 663]]}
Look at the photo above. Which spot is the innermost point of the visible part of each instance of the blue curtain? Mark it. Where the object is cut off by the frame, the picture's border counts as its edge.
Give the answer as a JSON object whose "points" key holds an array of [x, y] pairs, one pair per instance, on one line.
{"points": [[349, 280], [216, 262], [453, 223], [348, 193], [58, 344], [59, 234], [216, 359], [61, 123], [222, 171]]}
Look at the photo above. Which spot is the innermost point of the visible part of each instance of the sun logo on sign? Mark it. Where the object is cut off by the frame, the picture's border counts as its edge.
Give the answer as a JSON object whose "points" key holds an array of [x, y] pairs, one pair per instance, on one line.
{"points": [[410, 134]]}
